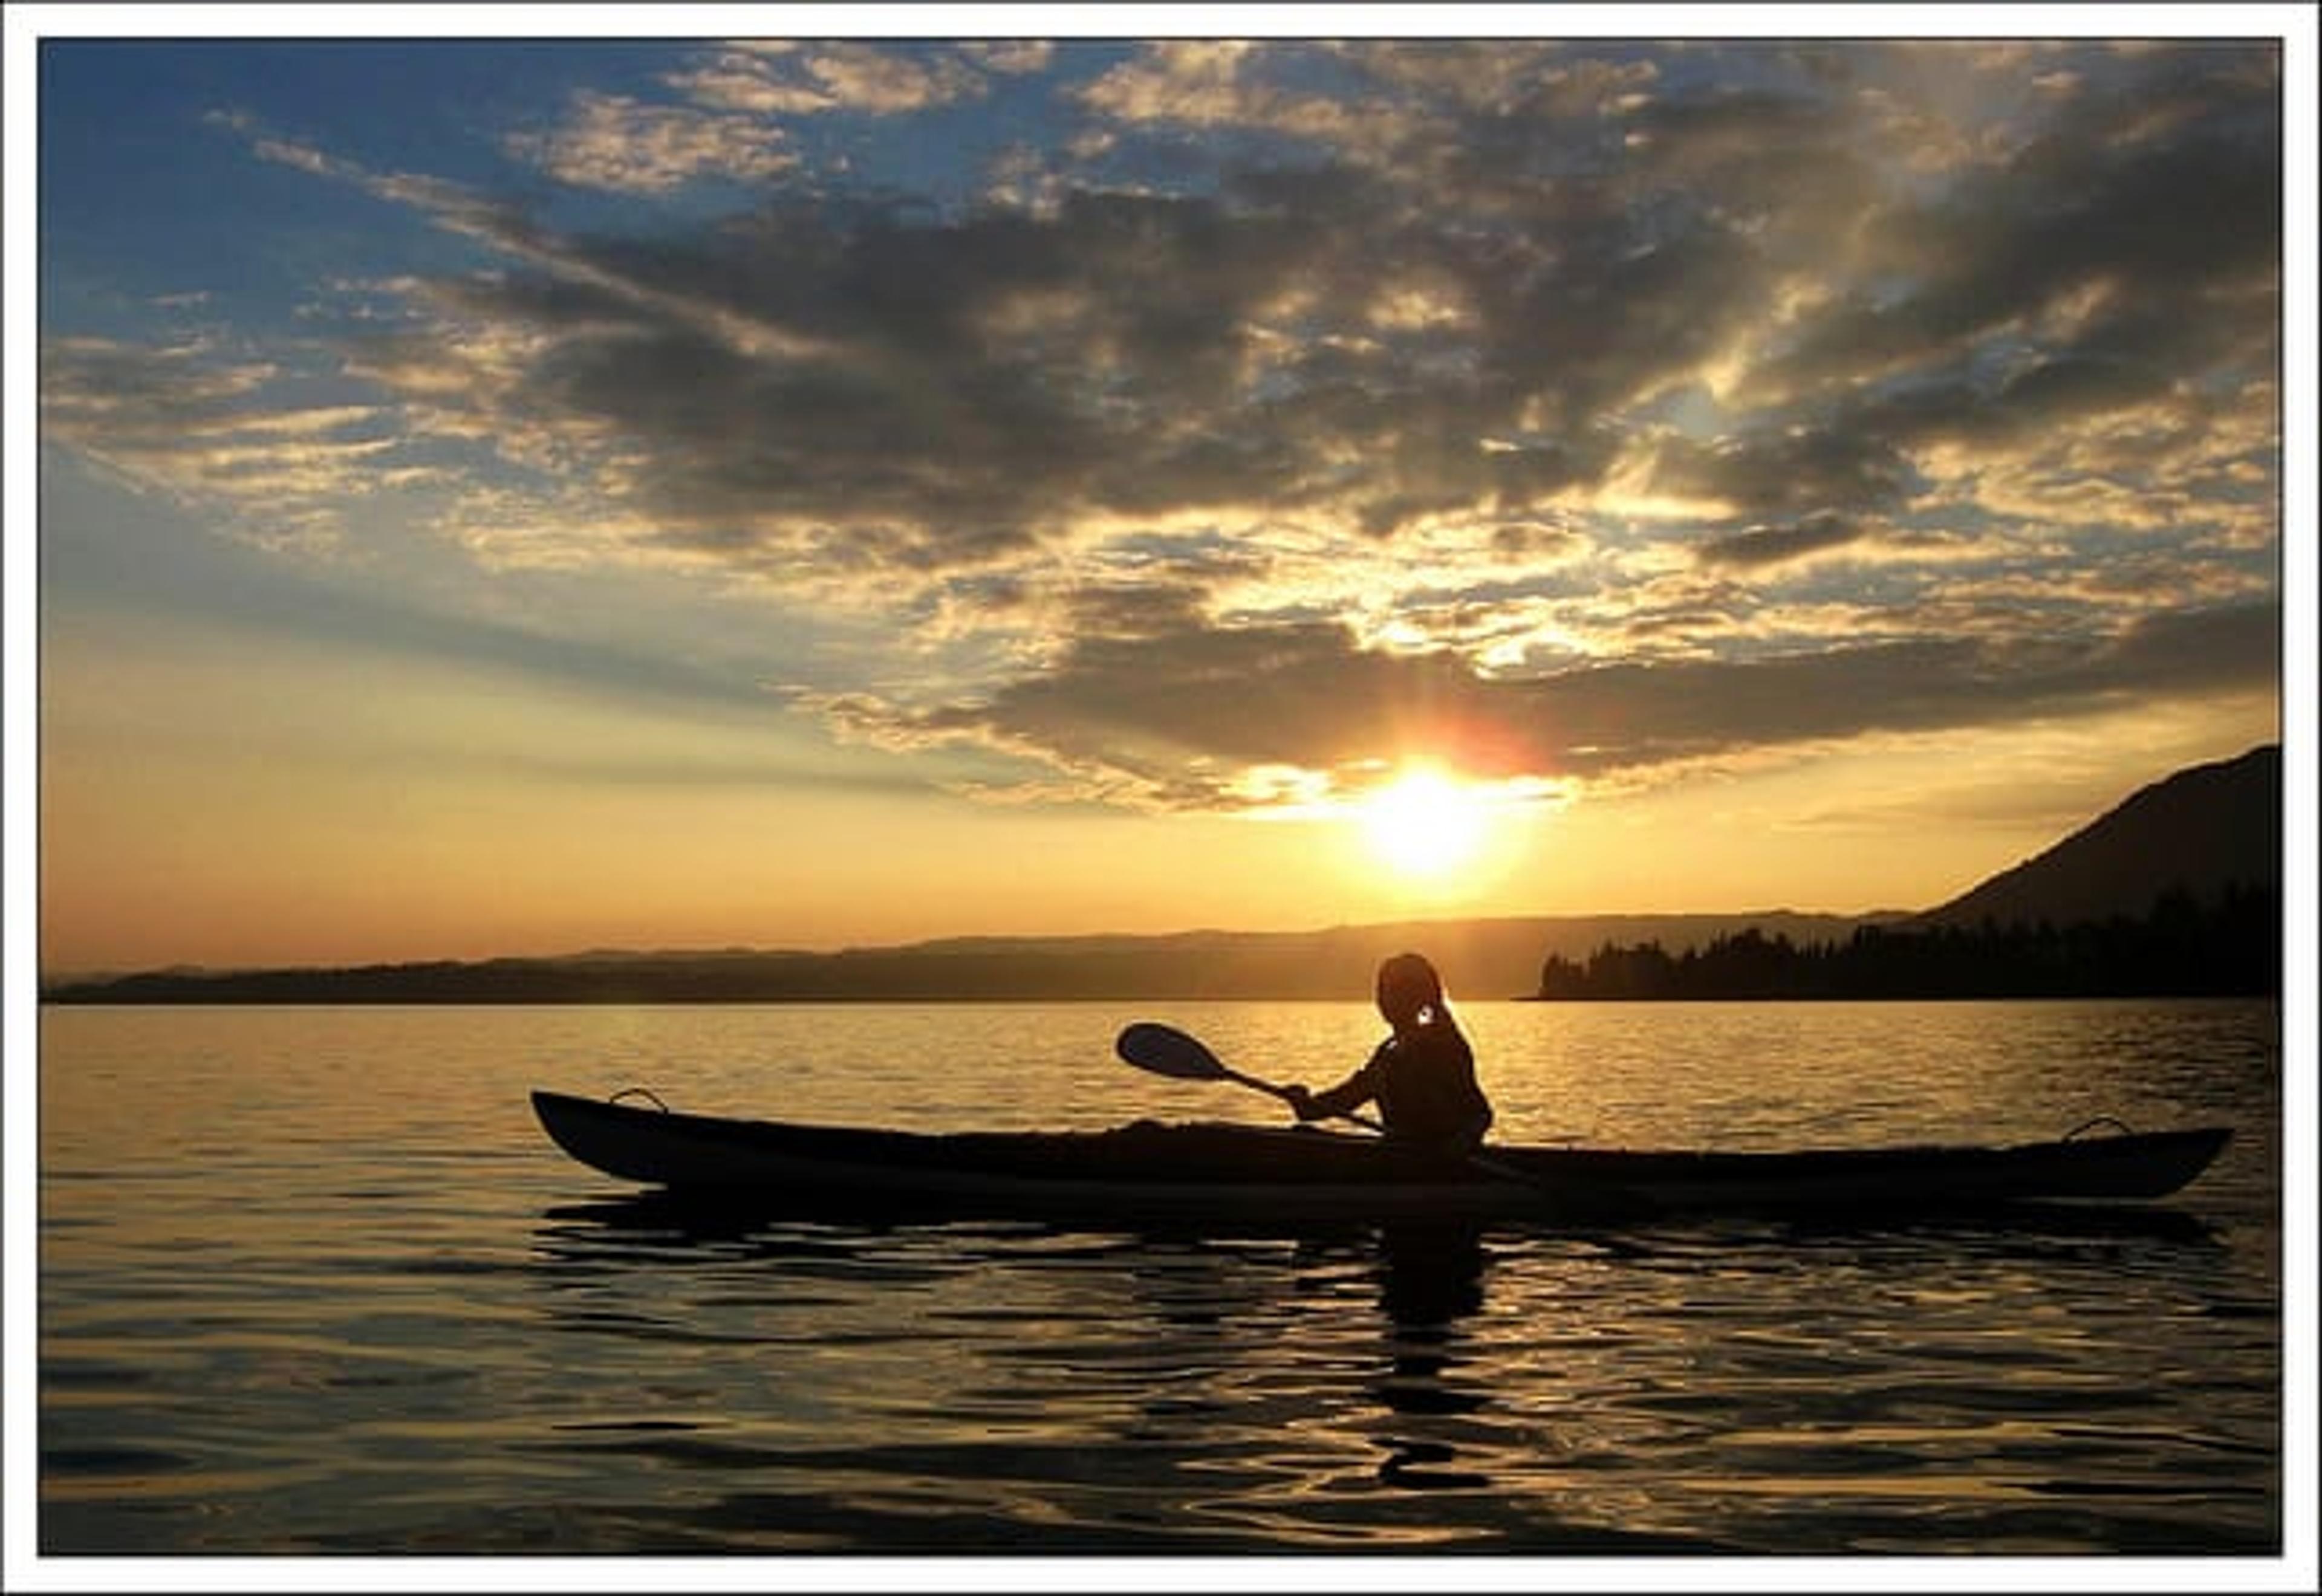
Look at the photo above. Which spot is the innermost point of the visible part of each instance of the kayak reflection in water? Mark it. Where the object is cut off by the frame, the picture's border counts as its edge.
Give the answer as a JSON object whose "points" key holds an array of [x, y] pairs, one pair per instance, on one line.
{"points": [[1422, 1077]]}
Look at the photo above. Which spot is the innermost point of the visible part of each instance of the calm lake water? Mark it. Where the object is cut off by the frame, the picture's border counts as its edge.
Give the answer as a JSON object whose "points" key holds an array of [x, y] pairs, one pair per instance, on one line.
{"points": [[312, 1281]]}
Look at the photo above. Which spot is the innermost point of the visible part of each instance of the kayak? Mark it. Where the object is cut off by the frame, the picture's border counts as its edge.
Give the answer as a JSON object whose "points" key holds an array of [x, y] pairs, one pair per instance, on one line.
{"points": [[1151, 1171]]}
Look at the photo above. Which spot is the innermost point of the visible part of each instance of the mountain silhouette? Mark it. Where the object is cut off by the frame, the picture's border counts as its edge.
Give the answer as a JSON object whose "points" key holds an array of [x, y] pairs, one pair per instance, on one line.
{"points": [[2202, 831]]}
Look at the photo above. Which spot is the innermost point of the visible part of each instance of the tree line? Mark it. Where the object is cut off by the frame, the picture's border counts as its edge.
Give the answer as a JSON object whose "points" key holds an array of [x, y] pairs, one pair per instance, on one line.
{"points": [[2230, 946]]}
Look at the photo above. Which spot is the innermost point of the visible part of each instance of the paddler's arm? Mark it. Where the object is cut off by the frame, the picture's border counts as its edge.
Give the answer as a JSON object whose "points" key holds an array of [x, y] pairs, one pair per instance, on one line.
{"points": [[1349, 1095]]}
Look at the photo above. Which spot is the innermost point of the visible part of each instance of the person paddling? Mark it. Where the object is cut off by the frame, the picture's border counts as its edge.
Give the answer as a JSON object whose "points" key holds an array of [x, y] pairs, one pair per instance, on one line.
{"points": [[1422, 1077]]}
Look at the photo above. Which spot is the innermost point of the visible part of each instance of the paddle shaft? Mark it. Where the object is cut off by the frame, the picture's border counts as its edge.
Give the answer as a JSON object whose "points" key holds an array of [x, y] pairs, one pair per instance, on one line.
{"points": [[1228, 1073]]}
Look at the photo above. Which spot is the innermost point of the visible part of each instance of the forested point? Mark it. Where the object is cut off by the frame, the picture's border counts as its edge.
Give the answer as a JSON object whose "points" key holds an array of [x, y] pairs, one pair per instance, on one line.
{"points": [[2183, 947]]}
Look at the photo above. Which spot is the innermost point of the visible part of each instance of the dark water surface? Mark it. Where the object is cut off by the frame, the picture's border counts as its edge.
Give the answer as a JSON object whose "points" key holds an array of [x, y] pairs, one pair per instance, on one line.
{"points": [[312, 1281]]}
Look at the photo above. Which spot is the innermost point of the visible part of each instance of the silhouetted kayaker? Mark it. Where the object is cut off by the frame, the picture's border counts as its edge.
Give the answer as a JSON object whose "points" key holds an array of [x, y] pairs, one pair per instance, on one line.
{"points": [[1422, 1077]]}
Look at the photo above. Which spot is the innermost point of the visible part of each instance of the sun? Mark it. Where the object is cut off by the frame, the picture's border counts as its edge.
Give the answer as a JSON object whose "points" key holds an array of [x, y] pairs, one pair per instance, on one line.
{"points": [[1425, 823]]}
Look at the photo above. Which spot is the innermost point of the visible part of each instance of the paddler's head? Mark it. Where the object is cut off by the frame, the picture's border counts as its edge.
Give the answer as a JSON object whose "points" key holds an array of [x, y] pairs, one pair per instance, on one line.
{"points": [[1410, 992]]}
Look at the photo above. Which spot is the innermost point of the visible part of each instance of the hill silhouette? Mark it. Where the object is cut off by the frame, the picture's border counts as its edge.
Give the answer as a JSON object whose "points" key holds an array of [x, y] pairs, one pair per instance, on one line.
{"points": [[2202, 831]]}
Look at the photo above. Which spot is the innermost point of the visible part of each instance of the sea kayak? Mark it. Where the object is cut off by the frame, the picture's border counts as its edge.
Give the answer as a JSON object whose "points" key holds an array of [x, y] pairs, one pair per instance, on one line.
{"points": [[1150, 1170]]}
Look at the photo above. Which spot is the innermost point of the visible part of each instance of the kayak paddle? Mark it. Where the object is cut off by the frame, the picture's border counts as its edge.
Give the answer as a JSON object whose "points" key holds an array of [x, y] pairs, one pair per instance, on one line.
{"points": [[1166, 1050]]}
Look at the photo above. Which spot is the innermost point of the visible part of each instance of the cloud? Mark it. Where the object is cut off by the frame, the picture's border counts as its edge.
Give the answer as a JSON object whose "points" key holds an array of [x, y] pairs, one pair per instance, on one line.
{"points": [[1009, 57], [794, 80], [1219, 83], [614, 142], [2163, 190], [728, 122], [1177, 715], [1779, 546], [1313, 400], [206, 424]]}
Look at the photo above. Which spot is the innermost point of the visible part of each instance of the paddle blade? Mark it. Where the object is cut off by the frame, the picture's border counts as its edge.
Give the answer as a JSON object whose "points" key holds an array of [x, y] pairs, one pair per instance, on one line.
{"points": [[1166, 1050]]}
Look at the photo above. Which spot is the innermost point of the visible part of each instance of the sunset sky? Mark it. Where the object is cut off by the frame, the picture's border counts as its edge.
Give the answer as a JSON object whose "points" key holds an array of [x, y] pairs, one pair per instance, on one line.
{"points": [[532, 495]]}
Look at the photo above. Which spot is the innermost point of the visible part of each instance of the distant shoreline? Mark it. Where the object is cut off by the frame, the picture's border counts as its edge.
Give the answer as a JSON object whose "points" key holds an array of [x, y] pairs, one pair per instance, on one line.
{"points": [[2231, 946], [1482, 958]]}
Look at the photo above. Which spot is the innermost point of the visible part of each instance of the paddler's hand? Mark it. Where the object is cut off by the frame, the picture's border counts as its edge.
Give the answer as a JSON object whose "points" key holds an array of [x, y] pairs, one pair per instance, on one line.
{"points": [[1301, 1102]]}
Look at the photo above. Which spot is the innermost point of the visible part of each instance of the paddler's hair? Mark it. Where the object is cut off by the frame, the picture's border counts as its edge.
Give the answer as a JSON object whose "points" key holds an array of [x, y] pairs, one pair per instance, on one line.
{"points": [[1408, 989]]}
